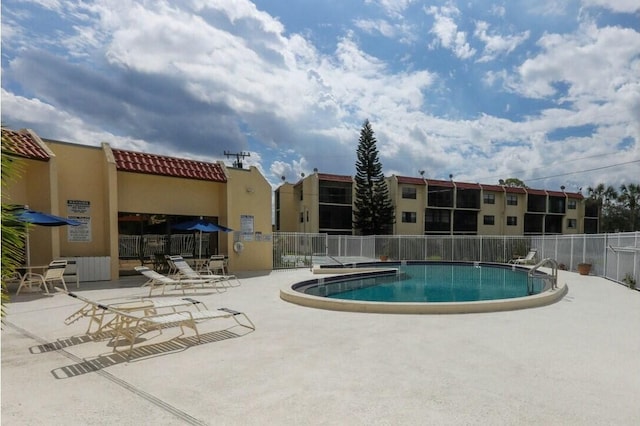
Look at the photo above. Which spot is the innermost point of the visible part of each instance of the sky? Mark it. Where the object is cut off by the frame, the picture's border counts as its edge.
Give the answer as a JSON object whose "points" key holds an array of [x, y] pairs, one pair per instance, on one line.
{"points": [[544, 91]]}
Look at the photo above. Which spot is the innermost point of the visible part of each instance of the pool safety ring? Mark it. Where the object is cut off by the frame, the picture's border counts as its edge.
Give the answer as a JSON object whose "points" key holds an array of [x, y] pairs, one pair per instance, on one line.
{"points": [[238, 247]]}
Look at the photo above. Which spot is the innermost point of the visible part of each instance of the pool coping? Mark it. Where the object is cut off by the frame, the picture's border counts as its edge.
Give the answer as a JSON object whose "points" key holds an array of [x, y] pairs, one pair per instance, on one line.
{"points": [[287, 293]]}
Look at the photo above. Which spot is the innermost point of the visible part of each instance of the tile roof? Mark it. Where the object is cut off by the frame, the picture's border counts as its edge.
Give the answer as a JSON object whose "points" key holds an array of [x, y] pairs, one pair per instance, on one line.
{"points": [[411, 180], [466, 185], [334, 178], [515, 190], [536, 191], [445, 183], [140, 162], [23, 144], [496, 188]]}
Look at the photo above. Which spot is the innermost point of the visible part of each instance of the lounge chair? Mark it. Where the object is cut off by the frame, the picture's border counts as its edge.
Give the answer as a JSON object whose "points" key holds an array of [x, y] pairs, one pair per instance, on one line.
{"points": [[53, 274], [525, 260], [131, 325], [156, 279], [102, 317], [187, 271]]}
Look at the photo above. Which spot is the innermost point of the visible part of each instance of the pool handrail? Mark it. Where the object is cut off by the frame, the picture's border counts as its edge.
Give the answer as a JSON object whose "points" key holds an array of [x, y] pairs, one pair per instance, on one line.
{"points": [[553, 278]]}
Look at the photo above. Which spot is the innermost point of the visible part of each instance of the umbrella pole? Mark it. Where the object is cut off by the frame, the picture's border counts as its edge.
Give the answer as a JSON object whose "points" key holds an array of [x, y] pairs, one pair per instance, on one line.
{"points": [[27, 249]]}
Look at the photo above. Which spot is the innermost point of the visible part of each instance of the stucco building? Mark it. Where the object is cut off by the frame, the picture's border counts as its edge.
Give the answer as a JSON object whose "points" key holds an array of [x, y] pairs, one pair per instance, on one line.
{"points": [[324, 203], [129, 201]]}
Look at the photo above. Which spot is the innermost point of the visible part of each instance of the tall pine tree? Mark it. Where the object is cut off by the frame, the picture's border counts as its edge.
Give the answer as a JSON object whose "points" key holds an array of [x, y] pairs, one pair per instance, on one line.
{"points": [[373, 214]]}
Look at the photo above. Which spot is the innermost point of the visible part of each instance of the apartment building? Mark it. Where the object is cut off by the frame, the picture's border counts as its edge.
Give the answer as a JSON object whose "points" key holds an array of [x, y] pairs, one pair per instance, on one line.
{"points": [[324, 203]]}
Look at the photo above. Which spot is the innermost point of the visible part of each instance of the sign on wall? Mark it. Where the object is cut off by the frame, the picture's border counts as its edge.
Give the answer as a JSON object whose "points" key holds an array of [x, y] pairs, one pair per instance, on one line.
{"points": [[81, 211], [246, 227]]}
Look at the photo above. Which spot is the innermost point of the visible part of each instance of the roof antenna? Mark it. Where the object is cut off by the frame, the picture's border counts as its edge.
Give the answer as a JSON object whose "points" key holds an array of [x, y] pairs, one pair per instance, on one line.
{"points": [[239, 157]]}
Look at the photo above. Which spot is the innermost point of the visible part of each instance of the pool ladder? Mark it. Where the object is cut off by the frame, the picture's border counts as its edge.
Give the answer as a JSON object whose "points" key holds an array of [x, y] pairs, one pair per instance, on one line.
{"points": [[551, 279]]}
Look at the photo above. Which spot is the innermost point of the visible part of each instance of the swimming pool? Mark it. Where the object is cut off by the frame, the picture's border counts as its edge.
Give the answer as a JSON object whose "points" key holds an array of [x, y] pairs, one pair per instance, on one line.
{"points": [[426, 287]]}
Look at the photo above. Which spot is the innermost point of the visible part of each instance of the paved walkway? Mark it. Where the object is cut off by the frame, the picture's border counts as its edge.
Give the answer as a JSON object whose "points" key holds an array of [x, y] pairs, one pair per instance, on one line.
{"points": [[576, 362]]}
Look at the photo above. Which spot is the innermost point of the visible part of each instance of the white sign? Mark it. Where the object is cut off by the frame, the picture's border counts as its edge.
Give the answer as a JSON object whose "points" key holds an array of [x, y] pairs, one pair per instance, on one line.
{"points": [[80, 211], [246, 227]]}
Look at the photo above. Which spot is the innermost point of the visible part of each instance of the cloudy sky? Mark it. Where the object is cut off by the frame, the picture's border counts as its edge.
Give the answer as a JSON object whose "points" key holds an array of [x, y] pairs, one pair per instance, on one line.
{"points": [[545, 91]]}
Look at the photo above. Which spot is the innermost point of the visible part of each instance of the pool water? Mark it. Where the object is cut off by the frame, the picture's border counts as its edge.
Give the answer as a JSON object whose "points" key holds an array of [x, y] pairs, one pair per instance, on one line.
{"points": [[434, 283]]}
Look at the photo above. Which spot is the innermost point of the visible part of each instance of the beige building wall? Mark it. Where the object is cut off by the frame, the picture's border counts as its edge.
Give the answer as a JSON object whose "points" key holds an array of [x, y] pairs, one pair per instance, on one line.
{"points": [[518, 211], [146, 193], [287, 208], [81, 178], [249, 214], [574, 214], [416, 206], [496, 210], [36, 186]]}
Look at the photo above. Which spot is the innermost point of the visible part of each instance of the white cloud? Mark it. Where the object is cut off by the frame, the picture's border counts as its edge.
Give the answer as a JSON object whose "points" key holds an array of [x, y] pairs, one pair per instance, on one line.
{"points": [[446, 31], [496, 45], [372, 26], [623, 6]]}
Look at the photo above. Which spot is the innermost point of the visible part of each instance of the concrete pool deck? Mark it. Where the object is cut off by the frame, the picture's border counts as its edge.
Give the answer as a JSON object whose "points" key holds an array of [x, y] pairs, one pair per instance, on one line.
{"points": [[574, 362]]}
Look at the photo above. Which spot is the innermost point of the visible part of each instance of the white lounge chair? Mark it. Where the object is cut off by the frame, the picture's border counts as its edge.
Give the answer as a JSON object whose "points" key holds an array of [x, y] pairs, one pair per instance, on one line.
{"points": [[131, 325], [187, 271], [103, 320], [526, 260], [156, 280]]}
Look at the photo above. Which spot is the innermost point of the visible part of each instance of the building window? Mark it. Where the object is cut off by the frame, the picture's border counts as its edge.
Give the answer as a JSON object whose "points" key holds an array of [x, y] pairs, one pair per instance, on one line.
{"points": [[489, 199], [512, 200], [489, 220], [572, 223], [409, 217], [512, 220], [572, 204], [409, 192], [301, 217], [301, 195]]}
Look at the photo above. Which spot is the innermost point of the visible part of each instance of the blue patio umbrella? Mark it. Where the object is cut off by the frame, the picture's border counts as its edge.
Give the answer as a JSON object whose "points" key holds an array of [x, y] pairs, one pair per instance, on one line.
{"points": [[201, 225], [43, 219]]}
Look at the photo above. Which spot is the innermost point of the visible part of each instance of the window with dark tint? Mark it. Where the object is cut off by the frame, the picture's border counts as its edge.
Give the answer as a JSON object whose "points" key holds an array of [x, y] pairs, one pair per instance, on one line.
{"points": [[590, 226], [489, 220], [572, 204], [512, 200], [512, 220], [533, 223], [335, 192], [557, 204], [437, 220], [572, 223], [335, 217], [468, 198], [553, 224], [409, 192], [591, 209], [409, 217], [489, 198], [440, 196], [465, 221], [536, 203]]}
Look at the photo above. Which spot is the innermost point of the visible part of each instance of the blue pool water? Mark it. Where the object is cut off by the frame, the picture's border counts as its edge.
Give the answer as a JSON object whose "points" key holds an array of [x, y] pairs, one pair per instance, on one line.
{"points": [[439, 282]]}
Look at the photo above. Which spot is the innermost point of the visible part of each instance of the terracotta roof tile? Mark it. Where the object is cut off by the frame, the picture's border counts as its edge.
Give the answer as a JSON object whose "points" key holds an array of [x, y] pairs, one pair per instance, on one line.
{"points": [[444, 183], [536, 191], [466, 185], [411, 180], [23, 144], [515, 190], [495, 188], [140, 162], [334, 178]]}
